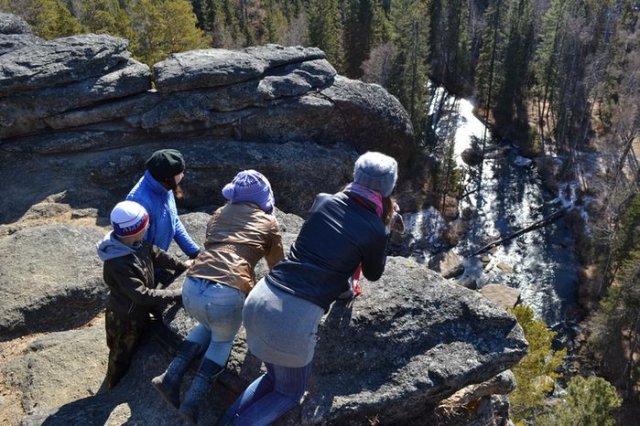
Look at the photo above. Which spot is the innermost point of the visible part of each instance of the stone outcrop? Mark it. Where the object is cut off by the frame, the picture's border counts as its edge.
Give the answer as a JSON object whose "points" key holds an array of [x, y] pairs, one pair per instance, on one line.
{"points": [[281, 110], [479, 405], [60, 367], [402, 347], [15, 33], [49, 276], [447, 263], [9, 42], [61, 61], [502, 295], [220, 67], [13, 25]]}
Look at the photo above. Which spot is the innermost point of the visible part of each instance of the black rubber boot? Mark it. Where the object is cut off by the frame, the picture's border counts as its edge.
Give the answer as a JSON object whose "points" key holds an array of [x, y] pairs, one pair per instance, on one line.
{"points": [[168, 383], [206, 375]]}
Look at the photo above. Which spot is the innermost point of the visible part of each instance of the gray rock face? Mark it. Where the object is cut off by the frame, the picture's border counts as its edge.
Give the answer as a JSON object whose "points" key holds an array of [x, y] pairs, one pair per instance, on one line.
{"points": [[12, 24], [218, 67], [22, 110], [281, 110], [479, 405], [502, 384], [60, 374], [297, 171], [371, 117], [50, 275], [205, 68], [9, 42], [60, 367], [501, 295], [60, 61], [448, 264]]}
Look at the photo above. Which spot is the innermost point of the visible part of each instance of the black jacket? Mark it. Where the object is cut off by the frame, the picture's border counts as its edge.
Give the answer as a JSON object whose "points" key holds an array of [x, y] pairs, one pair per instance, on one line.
{"points": [[339, 234], [131, 280]]}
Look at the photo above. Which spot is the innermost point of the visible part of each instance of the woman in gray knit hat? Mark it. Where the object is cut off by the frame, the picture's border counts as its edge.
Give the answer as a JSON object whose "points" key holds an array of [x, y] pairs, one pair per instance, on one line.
{"points": [[343, 231]]}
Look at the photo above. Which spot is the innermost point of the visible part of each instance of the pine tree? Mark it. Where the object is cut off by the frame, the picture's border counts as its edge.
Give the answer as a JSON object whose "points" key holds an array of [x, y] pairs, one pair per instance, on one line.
{"points": [[488, 77], [617, 321], [276, 23], [199, 8], [48, 18], [292, 9], [356, 35], [106, 16], [163, 27], [381, 27], [213, 23], [570, 68], [450, 43], [366, 26], [516, 64], [248, 22], [410, 68], [536, 373], [545, 67], [589, 402], [325, 30]]}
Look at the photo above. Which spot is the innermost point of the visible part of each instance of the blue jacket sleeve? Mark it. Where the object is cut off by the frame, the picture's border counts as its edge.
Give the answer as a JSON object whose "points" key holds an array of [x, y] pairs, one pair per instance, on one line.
{"points": [[183, 239]]}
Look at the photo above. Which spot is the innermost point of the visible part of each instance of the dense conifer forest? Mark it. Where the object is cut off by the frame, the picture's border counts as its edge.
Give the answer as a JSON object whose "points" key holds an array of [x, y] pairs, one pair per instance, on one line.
{"points": [[556, 77]]}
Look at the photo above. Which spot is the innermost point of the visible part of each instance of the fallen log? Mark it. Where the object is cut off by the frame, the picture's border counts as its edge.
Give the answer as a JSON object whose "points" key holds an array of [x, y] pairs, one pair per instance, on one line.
{"points": [[536, 225]]}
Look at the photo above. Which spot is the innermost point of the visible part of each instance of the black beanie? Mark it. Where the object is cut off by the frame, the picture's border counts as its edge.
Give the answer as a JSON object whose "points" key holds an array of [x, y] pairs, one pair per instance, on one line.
{"points": [[165, 164]]}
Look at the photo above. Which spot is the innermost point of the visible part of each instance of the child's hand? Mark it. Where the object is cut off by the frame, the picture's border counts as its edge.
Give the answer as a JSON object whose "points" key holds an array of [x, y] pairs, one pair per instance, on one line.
{"points": [[188, 263]]}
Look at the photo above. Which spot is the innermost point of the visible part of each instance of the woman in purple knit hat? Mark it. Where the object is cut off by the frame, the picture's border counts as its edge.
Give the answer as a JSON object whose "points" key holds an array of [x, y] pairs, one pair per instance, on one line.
{"points": [[239, 234]]}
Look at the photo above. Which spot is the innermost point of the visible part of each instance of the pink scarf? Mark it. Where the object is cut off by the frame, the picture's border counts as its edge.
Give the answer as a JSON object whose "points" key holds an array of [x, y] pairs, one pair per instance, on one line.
{"points": [[368, 194]]}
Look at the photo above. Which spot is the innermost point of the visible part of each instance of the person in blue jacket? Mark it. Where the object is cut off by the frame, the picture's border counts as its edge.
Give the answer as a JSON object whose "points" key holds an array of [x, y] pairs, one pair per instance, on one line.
{"points": [[282, 313], [155, 192]]}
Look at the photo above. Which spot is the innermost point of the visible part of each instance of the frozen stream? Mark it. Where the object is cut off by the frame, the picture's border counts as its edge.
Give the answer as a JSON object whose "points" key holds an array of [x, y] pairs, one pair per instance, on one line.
{"points": [[540, 263]]}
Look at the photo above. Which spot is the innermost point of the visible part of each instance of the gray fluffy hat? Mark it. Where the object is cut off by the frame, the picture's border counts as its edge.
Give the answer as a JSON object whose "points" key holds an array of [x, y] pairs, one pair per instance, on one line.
{"points": [[376, 171]]}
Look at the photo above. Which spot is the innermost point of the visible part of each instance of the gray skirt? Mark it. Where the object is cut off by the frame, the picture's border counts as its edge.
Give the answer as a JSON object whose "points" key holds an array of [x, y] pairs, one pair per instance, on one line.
{"points": [[281, 328]]}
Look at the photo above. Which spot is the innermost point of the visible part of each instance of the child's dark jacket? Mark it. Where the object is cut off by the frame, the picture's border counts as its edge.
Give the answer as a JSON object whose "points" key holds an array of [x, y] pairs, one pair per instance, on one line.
{"points": [[128, 272]]}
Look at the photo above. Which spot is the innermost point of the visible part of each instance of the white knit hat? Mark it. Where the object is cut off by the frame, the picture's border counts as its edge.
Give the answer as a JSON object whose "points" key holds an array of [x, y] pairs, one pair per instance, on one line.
{"points": [[128, 218], [376, 171]]}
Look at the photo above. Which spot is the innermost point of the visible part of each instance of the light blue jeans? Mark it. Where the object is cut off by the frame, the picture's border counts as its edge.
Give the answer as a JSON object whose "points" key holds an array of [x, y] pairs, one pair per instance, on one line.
{"points": [[269, 396], [218, 309]]}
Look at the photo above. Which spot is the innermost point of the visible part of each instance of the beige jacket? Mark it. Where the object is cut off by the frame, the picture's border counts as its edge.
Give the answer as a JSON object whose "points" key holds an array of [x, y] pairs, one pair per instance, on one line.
{"points": [[238, 236]]}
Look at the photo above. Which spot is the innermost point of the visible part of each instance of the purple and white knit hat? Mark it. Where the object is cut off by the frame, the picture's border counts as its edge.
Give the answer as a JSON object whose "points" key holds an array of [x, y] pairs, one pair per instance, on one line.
{"points": [[128, 218], [250, 186]]}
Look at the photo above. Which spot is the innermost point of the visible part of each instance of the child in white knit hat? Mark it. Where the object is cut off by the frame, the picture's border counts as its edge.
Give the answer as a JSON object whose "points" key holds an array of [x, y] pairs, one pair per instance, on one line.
{"points": [[129, 272]]}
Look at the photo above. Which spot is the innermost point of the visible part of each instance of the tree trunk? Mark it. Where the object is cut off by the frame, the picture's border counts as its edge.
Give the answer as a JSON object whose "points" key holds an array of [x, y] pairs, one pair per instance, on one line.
{"points": [[539, 224]]}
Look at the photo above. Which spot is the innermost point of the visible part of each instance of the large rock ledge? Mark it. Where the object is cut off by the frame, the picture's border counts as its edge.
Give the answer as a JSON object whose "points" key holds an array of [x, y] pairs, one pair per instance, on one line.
{"points": [[85, 94], [411, 340]]}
